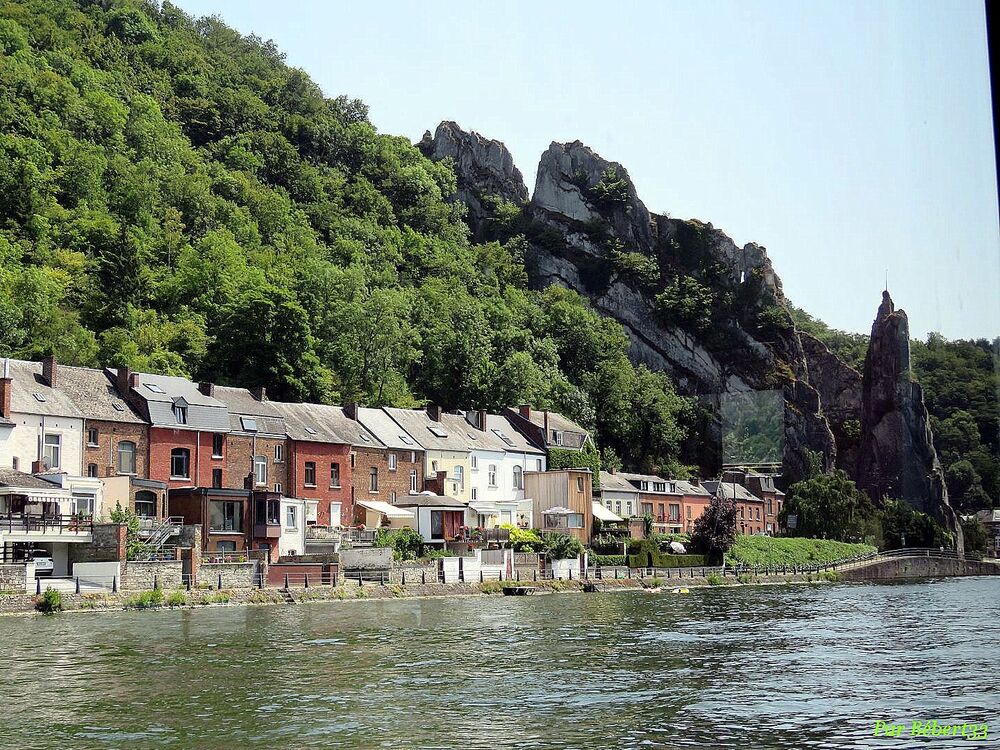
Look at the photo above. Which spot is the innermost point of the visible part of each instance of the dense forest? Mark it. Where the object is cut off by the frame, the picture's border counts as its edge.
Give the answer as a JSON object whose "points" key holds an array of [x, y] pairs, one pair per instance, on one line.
{"points": [[961, 384], [175, 198]]}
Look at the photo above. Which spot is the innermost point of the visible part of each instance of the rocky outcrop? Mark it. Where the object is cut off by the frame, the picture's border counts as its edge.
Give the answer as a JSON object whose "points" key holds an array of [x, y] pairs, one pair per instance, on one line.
{"points": [[585, 214], [839, 388], [897, 457], [483, 168]]}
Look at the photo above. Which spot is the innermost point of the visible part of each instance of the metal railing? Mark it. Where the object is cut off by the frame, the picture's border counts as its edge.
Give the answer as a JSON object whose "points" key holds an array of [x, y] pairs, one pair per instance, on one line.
{"points": [[842, 564], [359, 537], [26, 522], [220, 556]]}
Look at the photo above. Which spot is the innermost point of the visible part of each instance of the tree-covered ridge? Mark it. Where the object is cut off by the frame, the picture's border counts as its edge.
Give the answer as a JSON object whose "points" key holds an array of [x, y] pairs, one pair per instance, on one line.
{"points": [[175, 198]]}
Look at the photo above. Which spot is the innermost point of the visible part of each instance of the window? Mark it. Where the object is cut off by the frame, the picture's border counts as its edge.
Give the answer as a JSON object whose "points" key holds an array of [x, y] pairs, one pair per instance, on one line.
{"points": [[225, 546], [413, 480], [503, 436], [354, 459], [180, 414], [434, 467], [126, 457], [688, 508], [225, 515], [180, 463], [575, 520], [312, 509], [278, 488], [770, 507], [154, 388], [392, 462], [492, 475], [15, 463], [518, 478], [335, 514], [91, 470], [618, 507], [475, 462], [145, 504], [53, 451], [579, 484], [217, 445], [413, 457], [373, 480], [260, 470], [647, 509], [628, 508], [659, 487], [217, 479], [39, 397], [538, 464], [249, 424], [675, 512], [475, 493], [279, 453], [758, 513], [310, 474], [83, 503], [407, 440], [392, 498], [460, 476], [291, 520], [92, 436], [557, 437], [440, 432], [334, 475]]}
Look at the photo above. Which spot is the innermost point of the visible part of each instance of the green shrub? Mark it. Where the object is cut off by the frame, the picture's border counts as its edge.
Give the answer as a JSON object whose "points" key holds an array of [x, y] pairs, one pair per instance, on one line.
{"points": [[146, 600], [177, 599], [50, 601], [523, 540], [830, 575], [406, 543], [561, 546], [714, 579], [607, 560]]}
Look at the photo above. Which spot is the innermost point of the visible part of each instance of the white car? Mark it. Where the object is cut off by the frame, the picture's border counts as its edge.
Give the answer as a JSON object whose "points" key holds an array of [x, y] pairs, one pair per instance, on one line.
{"points": [[43, 562]]}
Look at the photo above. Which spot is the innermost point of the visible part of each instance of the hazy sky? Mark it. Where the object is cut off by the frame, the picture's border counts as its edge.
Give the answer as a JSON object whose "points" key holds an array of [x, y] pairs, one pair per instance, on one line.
{"points": [[847, 138]]}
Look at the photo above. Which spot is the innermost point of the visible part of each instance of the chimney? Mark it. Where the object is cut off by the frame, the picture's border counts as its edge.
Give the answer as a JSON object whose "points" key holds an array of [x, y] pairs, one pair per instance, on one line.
{"points": [[695, 481], [124, 379], [524, 410], [6, 386], [49, 370], [37, 467], [545, 424], [207, 389], [612, 470], [434, 412], [481, 419], [351, 410], [259, 393]]}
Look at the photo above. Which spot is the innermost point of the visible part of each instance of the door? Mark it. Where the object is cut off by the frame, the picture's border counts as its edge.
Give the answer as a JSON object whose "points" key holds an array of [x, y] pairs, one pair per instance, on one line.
{"points": [[437, 524]]}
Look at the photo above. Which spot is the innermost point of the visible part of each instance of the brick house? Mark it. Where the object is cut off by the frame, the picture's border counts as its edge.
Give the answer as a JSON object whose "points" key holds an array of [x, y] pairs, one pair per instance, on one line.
{"points": [[694, 501], [749, 507], [321, 459], [657, 498], [763, 486], [397, 463], [548, 429]]}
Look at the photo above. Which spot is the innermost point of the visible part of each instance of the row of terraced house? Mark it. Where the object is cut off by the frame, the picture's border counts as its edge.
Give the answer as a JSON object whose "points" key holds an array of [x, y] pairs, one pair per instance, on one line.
{"points": [[292, 478]]}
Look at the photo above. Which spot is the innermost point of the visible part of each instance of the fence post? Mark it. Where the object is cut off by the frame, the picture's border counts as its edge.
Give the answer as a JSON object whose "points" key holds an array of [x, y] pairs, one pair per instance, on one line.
{"points": [[335, 579], [187, 581], [571, 574], [114, 584], [360, 579], [404, 577], [77, 584], [286, 581], [517, 575], [381, 577], [38, 585], [461, 571], [156, 582], [305, 580], [480, 575], [534, 574], [220, 581], [423, 576]]}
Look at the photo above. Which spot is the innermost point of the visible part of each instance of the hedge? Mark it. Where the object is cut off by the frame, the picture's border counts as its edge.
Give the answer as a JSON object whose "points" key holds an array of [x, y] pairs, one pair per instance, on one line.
{"points": [[606, 560], [661, 560]]}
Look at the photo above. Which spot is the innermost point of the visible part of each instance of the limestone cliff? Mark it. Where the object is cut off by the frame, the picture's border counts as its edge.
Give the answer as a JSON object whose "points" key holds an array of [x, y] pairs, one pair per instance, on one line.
{"points": [[484, 170], [692, 302], [839, 388], [897, 456]]}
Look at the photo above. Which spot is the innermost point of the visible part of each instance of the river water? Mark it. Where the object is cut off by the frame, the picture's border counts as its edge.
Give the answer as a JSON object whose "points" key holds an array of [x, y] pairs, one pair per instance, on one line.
{"points": [[749, 667]]}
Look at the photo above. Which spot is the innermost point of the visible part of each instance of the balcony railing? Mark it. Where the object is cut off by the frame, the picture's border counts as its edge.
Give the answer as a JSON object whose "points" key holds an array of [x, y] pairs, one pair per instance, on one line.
{"points": [[58, 523], [500, 536], [267, 530]]}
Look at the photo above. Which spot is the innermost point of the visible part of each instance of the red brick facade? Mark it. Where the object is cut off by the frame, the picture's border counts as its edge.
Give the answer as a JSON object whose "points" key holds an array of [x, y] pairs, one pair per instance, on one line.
{"points": [[323, 490], [201, 461], [692, 508], [240, 452], [750, 516], [101, 458], [393, 483]]}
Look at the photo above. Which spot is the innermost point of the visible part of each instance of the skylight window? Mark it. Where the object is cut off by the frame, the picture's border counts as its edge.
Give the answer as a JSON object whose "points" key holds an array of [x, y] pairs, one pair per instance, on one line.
{"points": [[249, 424], [39, 397], [441, 432], [365, 438], [118, 406], [310, 430], [406, 439], [154, 388], [503, 436], [472, 436]]}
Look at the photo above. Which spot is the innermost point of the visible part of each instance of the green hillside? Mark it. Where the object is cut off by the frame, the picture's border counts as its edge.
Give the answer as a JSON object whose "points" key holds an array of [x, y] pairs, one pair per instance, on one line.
{"points": [[176, 198]]}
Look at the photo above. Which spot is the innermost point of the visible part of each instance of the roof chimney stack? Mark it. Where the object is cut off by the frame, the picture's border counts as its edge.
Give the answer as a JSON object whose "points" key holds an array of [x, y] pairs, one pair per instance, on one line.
{"points": [[525, 410], [481, 419], [6, 386], [207, 389], [351, 410], [49, 368], [259, 393], [434, 412]]}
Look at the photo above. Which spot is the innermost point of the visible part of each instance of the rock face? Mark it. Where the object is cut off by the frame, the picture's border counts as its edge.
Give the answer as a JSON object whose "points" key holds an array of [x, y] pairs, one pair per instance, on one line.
{"points": [[483, 168], [839, 388], [897, 457], [585, 214]]}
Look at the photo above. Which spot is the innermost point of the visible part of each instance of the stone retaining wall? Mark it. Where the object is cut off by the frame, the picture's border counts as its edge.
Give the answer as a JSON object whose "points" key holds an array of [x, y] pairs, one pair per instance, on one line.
{"points": [[139, 576], [920, 567], [234, 575], [13, 577]]}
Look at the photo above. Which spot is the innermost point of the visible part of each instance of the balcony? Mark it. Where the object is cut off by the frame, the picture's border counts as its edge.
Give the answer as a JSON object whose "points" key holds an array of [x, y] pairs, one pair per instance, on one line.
{"points": [[268, 530], [46, 524]]}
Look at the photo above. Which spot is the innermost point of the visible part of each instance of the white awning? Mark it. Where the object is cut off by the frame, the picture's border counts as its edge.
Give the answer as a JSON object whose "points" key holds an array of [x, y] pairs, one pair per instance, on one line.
{"points": [[558, 510], [390, 510], [485, 508], [604, 514]]}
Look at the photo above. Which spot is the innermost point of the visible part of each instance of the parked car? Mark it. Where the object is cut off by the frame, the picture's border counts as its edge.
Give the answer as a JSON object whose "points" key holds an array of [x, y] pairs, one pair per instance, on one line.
{"points": [[43, 562]]}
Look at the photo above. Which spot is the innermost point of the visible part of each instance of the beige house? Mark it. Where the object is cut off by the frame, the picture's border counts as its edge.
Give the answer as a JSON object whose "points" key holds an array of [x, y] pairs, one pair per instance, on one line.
{"points": [[562, 501]]}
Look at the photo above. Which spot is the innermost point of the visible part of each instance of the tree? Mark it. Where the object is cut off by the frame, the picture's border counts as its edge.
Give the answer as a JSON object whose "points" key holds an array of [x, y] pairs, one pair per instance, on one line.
{"points": [[715, 530], [830, 506]]}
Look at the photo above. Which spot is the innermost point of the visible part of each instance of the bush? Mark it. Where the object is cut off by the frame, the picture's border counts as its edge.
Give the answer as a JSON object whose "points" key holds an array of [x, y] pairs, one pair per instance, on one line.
{"points": [[561, 546], [49, 602], [714, 579], [762, 550], [177, 599], [406, 543], [607, 560], [146, 600], [523, 540]]}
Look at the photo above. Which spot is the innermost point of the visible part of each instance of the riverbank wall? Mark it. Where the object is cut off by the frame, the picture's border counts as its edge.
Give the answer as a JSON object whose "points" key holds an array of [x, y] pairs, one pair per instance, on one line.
{"points": [[910, 568]]}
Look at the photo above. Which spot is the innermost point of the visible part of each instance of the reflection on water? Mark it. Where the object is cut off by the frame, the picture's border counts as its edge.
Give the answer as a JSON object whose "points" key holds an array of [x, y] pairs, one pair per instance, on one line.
{"points": [[754, 667]]}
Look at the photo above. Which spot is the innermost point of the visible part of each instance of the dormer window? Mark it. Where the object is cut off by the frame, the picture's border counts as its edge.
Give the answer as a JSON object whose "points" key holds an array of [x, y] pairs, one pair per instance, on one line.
{"points": [[557, 437], [180, 414]]}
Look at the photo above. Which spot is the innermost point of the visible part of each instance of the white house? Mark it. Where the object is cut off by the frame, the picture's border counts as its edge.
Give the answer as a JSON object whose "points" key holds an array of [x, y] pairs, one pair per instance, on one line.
{"points": [[40, 427], [293, 527]]}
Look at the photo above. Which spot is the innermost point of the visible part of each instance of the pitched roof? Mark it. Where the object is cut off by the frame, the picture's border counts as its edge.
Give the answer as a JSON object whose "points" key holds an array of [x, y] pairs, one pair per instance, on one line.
{"points": [[422, 500], [31, 394], [730, 490], [387, 430], [689, 488], [556, 422], [243, 406], [15, 478], [615, 483], [321, 423], [453, 429], [95, 395], [160, 392], [498, 427]]}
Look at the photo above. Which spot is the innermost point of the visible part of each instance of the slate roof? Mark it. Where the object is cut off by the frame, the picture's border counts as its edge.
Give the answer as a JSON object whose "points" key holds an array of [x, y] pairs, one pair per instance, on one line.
{"points": [[730, 490], [159, 392], [518, 442], [320, 423], [242, 404], [15, 478], [615, 483], [387, 430], [417, 422], [94, 395], [30, 394]]}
